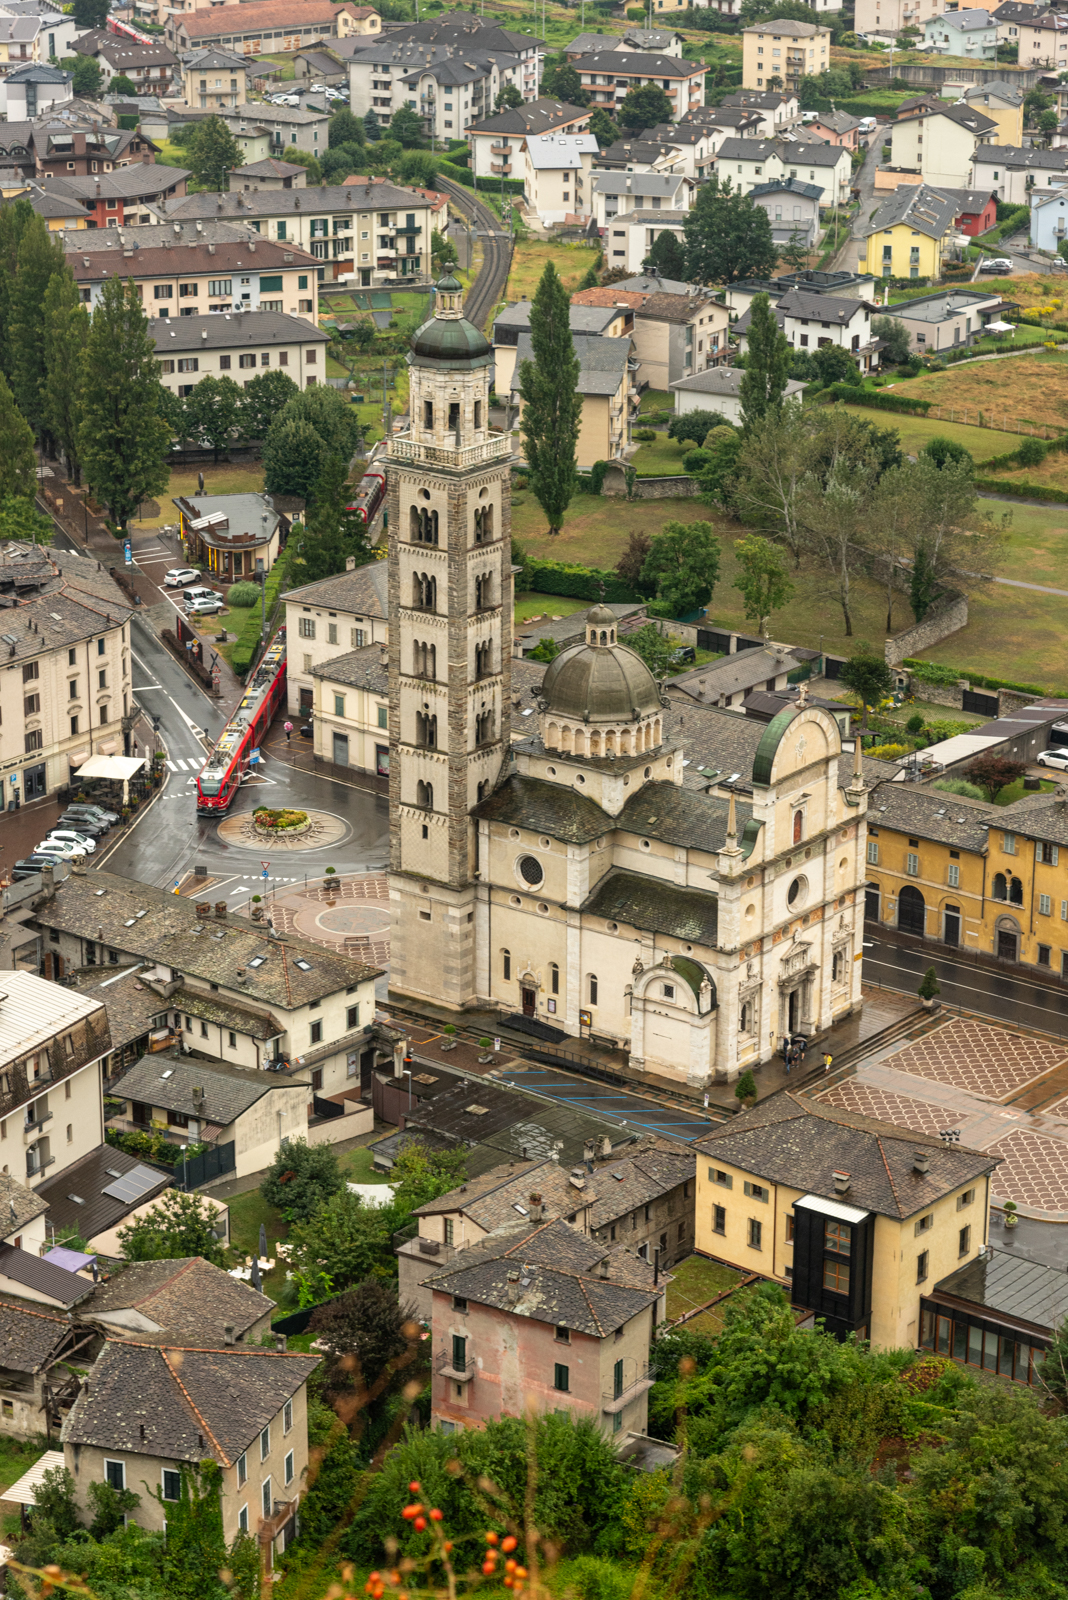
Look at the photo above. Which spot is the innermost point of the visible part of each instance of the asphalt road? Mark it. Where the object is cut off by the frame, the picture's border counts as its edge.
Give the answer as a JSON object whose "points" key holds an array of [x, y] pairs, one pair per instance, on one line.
{"points": [[634, 1110], [994, 993]]}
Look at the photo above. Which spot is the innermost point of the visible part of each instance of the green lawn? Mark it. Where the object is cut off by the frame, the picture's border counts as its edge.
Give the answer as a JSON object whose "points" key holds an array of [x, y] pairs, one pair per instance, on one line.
{"points": [[15, 1459], [916, 431], [288, 72], [247, 1212], [1016, 791], [694, 1282], [665, 456], [657, 400], [546, 605]]}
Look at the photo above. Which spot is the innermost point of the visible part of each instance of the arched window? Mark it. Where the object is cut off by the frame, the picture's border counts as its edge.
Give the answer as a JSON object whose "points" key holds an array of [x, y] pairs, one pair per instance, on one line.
{"points": [[426, 730], [482, 791], [424, 659], [1001, 888], [424, 794], [604, 636], [837, 966], [483, 659], [483, 592], [744, 1015], [424, 592], [506, 965], [554, 978], [1015, 892], [483, 524], [593, 990], [799, 823], [478, 413], [484, 727]]}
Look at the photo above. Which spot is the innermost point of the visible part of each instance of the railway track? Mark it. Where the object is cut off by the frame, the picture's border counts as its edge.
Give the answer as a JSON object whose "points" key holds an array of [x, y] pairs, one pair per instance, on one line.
{"points": [[489, 286]]}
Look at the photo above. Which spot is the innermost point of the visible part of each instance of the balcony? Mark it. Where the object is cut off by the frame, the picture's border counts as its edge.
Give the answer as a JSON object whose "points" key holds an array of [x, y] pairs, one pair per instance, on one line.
{"points": [[444, 1364], [408, 227], [496, 448], [611, 1401], [501, 168], [32, 1128], [500, 149]]}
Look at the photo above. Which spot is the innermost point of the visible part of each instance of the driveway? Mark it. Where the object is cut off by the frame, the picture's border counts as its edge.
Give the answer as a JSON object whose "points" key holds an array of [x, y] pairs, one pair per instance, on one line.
{"points": [[863, 180]]}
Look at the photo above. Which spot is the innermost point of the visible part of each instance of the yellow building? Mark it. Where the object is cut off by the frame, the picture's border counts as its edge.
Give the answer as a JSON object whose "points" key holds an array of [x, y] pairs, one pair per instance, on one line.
{"points": [[856, 1219], [909, 233], [963, 873], [785, 50], [606, 382], [1004, 104]]}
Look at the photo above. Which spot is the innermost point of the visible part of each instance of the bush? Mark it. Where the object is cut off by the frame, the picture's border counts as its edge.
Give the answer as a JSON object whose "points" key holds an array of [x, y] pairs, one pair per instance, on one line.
{"points": [[1032, 452], [249, 636], [582, 583], [300, 1178], [889, 752], [934, 672], [877, 398], [645, 435], [243, 594], [914, 724], [958, 786], [1025, 491]]}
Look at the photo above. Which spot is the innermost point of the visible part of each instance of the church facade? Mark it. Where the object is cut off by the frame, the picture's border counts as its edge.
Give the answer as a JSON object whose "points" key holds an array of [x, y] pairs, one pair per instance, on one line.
{"points": [[591, 876]]}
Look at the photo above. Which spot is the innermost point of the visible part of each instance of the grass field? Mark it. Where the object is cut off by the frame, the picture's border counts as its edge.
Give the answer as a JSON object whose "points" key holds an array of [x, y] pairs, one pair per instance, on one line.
{"points": [[1024, 389], [916, 431], [546, 606], [664, 456], [694, 1282], [288, 73], [222, 479], [1016, 634], [572, 262]]}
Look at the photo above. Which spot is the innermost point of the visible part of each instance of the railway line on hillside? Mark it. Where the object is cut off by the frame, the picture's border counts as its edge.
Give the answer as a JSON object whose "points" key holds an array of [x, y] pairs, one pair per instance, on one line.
{"points": [[489, 286]]}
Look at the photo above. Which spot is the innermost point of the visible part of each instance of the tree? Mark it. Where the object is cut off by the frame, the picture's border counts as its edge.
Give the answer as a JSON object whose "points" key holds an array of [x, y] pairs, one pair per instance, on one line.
{"points": [[896, 337], [727, 237], [123, 437], [929, 985], [656, 649], [939, 449], [509, 99], [418, 167], [372, 127], [992, 773], [560, 81], [177, 1225], [953, 544], [644, 107], [767, 364], [695, 425], [552, 405], [121, 84], [544, 650], [834, 364], [213, 412], [668, 255], [40, 259], [212, 153], [293, 458], [333, 417], [90, 13], [794, 253], [630, 564], [344, 128], [111, 1507], [304, 158], [745, 1090], [66, 334], [345, 1242], [261, 401], [406, 126], [421, 1174], [834, 515], [86, 77], [683, 563], [869, 677], [371, 1343], [301, 1178], [773, 461], [363, 335], [334, 534], [15, 218], [715, 478], [341, 162], [604, 130], [762, 581], [18, 465], [21, 521]]}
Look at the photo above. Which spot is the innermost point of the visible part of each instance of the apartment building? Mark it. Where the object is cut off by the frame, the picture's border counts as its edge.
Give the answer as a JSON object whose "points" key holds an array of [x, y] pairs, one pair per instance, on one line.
{"points": [[497, 141], [325, 622], [154, 68], [374, 232], [628, 240], [114, 199], [520, 54], [351, 698], [449, 91], [967, 33], [855, 1218], [890, 16], [617, 194], [1043, 41], [286, 127], [910, 234], [777, 55], [607, 75], [238, 345], [1011, 173], [607, 382], [813, 321], [214, 80], [29, 92], [940, 143], [275, 25], [556, 172], [660, 41], [673, 335], [20, 40], [252, 275], [1003, 102], [749, 163], [64, 144]]}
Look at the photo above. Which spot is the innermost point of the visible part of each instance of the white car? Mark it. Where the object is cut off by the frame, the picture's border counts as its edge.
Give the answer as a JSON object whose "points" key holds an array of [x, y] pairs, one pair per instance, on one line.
{"points": [[177, 577], [996, 264], [70, 836], [1057, 757], [65, 852], [205, 606]]}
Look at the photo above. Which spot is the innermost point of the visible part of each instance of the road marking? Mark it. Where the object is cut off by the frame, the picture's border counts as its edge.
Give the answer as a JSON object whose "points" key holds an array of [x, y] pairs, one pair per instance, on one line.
{"points": [[142, 688], [1046, 1011], [172, 766], [179, 762]]}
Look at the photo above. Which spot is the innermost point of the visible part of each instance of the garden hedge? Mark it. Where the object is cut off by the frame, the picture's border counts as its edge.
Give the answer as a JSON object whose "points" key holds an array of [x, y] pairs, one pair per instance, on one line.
{"points": [[1023, 491], [581, 583], [935, 672], [464, 175], [878, 399], [249, 637]]}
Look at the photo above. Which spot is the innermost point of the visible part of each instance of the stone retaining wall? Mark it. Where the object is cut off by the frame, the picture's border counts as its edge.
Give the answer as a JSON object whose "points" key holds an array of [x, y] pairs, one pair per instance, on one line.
{"points": [[679, 487], [938, 624]]}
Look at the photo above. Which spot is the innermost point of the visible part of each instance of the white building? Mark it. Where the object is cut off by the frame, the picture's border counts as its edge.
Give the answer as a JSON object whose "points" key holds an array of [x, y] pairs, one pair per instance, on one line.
{"points": [[557, 174], [237, 345], [497, 141], [618, 194], [330, 619], [1011, 173], [719, 389], [968, 33], [749, 162]]}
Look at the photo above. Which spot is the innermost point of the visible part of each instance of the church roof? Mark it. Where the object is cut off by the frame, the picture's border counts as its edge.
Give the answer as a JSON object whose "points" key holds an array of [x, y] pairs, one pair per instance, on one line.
{"points": [[656, 907], [600, 683], [547, 808], [680, 816]]}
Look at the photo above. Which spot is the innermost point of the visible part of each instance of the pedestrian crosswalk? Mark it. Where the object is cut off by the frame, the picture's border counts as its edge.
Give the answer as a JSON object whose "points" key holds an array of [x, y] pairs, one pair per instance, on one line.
{"points": [[178, 765]]}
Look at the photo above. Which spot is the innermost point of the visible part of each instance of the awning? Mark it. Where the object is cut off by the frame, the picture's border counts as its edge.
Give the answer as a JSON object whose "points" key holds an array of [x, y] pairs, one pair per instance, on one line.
{"points": [[118, 768], [24, 1492], [1001, 327]]}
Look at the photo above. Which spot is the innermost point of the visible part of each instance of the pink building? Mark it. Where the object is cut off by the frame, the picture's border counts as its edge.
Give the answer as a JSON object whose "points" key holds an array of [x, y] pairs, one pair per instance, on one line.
{"points": [[836, 127], [541, 1315]]}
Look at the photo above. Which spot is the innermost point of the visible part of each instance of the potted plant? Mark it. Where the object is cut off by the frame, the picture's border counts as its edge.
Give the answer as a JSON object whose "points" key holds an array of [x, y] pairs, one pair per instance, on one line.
{"points": [[486, 1045], [929, 989], [449, 1040], [745, 1090], [1010, 1219], [257, 908]]}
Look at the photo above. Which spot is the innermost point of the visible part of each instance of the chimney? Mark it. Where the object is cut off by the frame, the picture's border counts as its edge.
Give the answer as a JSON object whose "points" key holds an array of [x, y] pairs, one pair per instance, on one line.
{"points": [[578, 1178], [203, 909], [220, 910], [513, 1287], [228, 1333], [606, 1148], [841, 1182], [921, 1161], [280, 1343], [350, 563]]}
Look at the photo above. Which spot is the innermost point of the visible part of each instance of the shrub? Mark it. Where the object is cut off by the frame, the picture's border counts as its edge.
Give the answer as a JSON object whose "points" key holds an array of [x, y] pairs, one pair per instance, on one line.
{"points": [[958, 786], [249, 637], [582, 583], [888, 752], [1032, 452], [243, 594], [915, 723], [300, 1178], [645, 435], [745, 1089], [879, 399]]}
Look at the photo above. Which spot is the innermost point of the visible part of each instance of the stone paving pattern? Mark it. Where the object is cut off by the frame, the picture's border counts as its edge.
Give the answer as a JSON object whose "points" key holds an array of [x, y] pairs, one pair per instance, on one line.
{"points": [[982, 1059], [305, 911], [1034, 1170], [921, 1116]]}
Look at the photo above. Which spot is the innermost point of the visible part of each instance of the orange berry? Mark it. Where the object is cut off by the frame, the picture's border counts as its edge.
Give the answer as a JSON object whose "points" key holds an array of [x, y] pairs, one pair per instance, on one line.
{"points": [[435, 1514], [521, 1572], [509, 1583], [510, 1565], [509, 1542], [419, 1524], [488, 1568], [374, 1577], [413, 1488], [491, 1538], [447, 1546], [408, 1513]]}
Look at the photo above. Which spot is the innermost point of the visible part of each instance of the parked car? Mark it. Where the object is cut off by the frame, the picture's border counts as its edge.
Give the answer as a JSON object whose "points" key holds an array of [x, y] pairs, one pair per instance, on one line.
{"points": [[205, 606], [91, 813], [61, 850], [1054, 758], [178, 577], [996, 264], [685, 654], [200, 592], [71, 836], [91, 830], [306, 731]]}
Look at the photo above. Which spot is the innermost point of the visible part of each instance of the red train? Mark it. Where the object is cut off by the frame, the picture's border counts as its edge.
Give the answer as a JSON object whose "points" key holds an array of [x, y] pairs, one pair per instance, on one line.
{"points": [[369, 496], [221, 774]]}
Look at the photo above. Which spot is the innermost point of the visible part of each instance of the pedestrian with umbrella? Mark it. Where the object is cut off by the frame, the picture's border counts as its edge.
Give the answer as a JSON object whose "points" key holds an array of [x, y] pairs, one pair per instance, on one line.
{"points": [[287, 728]]}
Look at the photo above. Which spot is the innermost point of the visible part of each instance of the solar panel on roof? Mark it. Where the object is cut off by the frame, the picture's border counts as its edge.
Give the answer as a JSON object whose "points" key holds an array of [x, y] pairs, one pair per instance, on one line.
{"points": [[133, 1184]]}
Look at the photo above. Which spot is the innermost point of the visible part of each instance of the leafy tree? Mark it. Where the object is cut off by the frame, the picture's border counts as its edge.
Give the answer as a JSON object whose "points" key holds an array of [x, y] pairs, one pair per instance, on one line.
{"points": [[18, 465], [87, 79], [121, 84], [834, 511], [896, 336], [343, 1243], [509, 99], [344, 128], [644, 107], [767, 364], [1035, 102], [40, 259], [544, 650], [552, 405], [604, 130], [262, 399], [294, 457], [715, 478], [794, 253], [727, 237], [15, 218], [301, 1178], [372, 127], [20, 520], [110, 1508], [695, 425], [421, 1175], [195, 1549], [334, 419], [683, 562], [762, 581], [992, 773], [333, 533], [90, 13], [66, 334], [54, 1499], [833, 364], [560, 80], [1048, 122], [745, 1089], [773, 461], [418, 167], [406, 126], [212, 153], [656, 649], [305, 158], [363, 336], [341, 162], [940, 450], [868, 676], [630, 564], [176, 1225], [213, 412], [123, 437], [371, 1344], [668, 255]]}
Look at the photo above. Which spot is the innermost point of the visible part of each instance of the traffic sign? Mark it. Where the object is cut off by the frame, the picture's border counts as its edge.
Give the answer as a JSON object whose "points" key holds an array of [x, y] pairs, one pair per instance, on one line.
{"points": [[264, 865], [128, 552], [254, 757]]}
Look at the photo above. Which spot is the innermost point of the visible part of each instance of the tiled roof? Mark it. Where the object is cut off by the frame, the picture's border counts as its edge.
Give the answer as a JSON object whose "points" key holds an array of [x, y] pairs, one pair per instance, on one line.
{"points": [[656, 907], [640, 63], [293, 14], [223, 1013], [29, 1339], [360, 669], [810, 191], [18, 1205], [189, 1300], [677, 815], [362, 591], [42, 1278], [183, 1403], [554, 1278], [789, 152], [1013, 156], [612, 296], [535, 117], [547, 807], [802, 1143], [158, 259], [931, 814], [67, 596], [742, 669], [251, 328], [672, 308], [965, 116], [602, 362], [238, 204], [927, 210], [643, 183], [170, 1082], [792, 30], [619, 1187], [76, 1197]]}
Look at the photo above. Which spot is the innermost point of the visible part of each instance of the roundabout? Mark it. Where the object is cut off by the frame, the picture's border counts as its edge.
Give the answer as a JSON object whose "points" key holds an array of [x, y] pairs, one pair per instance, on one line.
{"points": [[320, 831]]}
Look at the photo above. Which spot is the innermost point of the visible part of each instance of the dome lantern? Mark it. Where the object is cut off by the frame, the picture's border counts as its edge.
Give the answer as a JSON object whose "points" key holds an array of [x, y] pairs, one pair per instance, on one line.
{"points": [[598, 698]]}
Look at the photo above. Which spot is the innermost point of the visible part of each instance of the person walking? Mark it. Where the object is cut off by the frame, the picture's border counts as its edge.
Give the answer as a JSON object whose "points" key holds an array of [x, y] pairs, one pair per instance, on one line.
{"points": [[287, 728], [793, 1059], [827, 1059], [802, 1045]]}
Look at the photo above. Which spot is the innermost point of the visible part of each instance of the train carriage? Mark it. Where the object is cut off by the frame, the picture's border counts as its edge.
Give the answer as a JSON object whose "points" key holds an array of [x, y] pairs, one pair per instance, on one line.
{"points": [[220, 777]]}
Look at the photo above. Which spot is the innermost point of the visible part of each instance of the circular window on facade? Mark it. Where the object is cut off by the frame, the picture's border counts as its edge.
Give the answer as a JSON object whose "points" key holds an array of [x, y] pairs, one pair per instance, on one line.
{"points": [[513, 833], [797, 893], [530, 870]]}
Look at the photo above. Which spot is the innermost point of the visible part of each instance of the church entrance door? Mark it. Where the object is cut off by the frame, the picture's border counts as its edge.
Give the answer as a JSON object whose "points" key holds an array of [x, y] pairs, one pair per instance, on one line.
{"points": [[794, 1011], [529, 1001]]}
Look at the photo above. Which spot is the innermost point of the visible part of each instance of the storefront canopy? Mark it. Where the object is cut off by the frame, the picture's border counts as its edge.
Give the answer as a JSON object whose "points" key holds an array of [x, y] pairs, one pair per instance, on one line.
{"points": [[120, 769]]}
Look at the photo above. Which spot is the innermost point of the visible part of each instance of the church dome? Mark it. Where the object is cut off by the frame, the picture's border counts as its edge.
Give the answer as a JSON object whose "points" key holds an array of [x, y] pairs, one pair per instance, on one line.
{"points": [[447, 341], [600, 682]]}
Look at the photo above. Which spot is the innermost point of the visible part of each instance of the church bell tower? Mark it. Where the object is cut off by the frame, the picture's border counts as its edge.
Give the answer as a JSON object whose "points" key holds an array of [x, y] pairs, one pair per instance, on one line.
{"points": [[450, 640]]}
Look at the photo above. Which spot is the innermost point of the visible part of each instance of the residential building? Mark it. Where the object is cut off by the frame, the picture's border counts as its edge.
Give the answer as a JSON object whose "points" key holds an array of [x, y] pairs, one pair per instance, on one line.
{"points": [[726, 682], [1010, 15], [35, 1348], [644, 1200], [967, 33], [854, 1217], [812, 321], [269, 174], [609, 395], [214, 80], [57, 211], [496, 141], [378, 233], [236, 980], [25, 1275], [32, 91], [152, 67], [233, 535], [519, 54], [836, 127], [911, 234], [1012, 173], [20, 40], [450, 91], [287, 127], [841, 285], [238, 345], [949, 318], [999, 1313], [719, 389], [607, 75], [575, 1336], [685, 148], [1002, 102], [146, 1412], [119, 198], [752, 162], [104, 1192], [1044, 40], [888, 17], [289, 25], [58, 28], [63, 145], [977, 210], [184, 1300], [783, 50], [660, 41], [321, 66], [617, 194], [1049, 208], [672, 334], [557, 175], [605, 316], [325, 623], [629, 245], [254, 275], [68, 677], [351, 701], [779, 110], [793, 209], [940, 143]]}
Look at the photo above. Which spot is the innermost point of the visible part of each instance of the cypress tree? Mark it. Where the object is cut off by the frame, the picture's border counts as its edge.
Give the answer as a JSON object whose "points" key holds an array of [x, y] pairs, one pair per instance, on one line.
{"points": [[18, 466], [552, 405], [14, 220], [40, 259], [124, 437], [66, 334], [767, 367]]}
